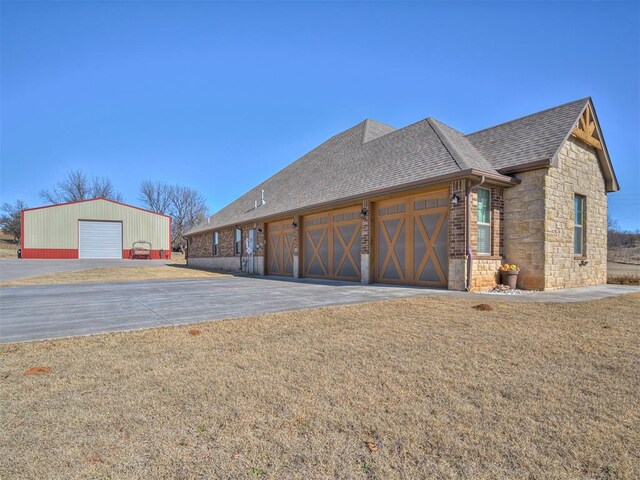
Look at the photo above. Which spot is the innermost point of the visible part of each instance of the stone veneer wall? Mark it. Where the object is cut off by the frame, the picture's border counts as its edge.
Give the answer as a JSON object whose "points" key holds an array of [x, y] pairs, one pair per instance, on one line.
{"points": [[485, 273], [524, 212], [539, 222], [578, 173]]}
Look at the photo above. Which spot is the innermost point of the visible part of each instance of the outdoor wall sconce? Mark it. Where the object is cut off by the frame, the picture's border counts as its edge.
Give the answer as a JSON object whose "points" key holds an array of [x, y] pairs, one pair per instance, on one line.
{"points": [[455, 199], [363, 213], [294, 224]]}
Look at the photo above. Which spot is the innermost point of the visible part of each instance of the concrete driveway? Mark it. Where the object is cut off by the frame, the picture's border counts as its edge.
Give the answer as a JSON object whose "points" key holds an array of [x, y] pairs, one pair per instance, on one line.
{"points": [[39, 312], [50, 311], [15, 269]]}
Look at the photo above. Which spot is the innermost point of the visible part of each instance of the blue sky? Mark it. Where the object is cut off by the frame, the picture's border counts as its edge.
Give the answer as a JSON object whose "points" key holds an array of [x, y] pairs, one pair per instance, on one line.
{"points": [[219, 96]]}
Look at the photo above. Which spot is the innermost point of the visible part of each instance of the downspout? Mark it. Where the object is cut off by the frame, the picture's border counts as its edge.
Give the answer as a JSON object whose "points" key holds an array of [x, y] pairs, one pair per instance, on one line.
{"points": [[468, 232]]}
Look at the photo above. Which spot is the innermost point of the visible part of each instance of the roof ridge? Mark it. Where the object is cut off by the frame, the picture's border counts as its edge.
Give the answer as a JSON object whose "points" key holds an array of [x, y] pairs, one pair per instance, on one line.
{"points": [[585, 99], [448, 145], [367, 124]]}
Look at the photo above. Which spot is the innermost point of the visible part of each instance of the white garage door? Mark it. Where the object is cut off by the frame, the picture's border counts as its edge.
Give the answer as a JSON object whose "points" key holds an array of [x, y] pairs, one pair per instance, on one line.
{"points": [[100, 239]]}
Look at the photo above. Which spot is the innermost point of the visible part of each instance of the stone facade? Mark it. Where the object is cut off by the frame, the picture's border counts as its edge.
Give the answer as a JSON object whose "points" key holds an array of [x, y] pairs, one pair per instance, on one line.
{"points": [[524, 228], [578, 173], [539, 222], [485, 273]]}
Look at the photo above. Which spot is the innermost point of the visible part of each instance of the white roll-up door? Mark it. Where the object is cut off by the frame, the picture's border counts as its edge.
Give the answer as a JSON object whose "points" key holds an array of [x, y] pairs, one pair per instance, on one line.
{"points": [[100, 239]]}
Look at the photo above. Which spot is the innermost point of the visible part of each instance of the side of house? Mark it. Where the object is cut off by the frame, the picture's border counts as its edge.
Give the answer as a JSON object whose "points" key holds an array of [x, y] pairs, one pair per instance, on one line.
{"points": [[429, 206]]}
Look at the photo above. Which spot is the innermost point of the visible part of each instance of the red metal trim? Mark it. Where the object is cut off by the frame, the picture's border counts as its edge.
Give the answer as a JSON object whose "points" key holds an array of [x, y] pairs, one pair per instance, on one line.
{"points": [[72, 253], [92, 200], [50, 253]]}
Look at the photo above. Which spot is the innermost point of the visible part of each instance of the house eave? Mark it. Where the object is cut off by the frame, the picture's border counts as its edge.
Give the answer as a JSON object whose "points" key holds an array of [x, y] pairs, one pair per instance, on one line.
{"points": [[526, 167], [491, 177]]}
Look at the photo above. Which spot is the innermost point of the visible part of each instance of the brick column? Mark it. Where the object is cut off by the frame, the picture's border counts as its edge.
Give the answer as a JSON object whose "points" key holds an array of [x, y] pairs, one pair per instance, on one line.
{"points": [[457, 237], [365, 244], [296, 243]]}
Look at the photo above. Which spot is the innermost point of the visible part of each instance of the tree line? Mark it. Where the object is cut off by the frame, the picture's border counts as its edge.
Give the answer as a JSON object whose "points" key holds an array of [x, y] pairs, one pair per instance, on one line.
{"points": [[186, 206], [618, 238]]}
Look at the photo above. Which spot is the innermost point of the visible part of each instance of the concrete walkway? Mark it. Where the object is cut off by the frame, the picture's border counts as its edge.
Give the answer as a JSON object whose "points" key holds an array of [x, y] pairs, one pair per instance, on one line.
{"points": [[566, 295], [50, 311]]}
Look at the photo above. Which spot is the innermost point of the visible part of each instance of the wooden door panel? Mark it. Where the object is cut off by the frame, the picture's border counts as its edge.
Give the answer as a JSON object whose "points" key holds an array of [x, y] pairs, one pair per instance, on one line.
{"points": [[288, 253], [428, 267], [411, 240], [346, 250], [316, 251], [391, 253], [275, 251], [332, 242], [280, 248]]}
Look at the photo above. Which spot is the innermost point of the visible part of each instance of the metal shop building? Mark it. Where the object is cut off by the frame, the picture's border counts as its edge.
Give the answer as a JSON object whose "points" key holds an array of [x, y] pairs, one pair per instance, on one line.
{"points": [[96, 228]]}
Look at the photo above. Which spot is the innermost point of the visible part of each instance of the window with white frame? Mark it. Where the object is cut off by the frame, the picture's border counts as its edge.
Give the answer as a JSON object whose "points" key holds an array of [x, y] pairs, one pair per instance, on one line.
{"points": [[215, 244], [578, 225], [238, 242], [484, 221]]}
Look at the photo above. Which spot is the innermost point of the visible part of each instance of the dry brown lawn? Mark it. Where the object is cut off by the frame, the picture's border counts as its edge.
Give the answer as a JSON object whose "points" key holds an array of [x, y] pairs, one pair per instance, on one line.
{"points": [[8, 254], [115, 274], [8, 248], [623, 273], [426, 387]]}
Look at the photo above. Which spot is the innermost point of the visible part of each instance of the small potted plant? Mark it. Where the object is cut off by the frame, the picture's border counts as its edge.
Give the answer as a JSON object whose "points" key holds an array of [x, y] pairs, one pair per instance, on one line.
{"points": [[509, 275]]}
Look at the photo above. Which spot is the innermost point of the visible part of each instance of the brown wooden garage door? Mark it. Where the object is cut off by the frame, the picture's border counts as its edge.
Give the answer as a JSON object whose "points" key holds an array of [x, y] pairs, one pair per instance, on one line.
{"points": [[412, 239], [280, 248], [331, 244]]}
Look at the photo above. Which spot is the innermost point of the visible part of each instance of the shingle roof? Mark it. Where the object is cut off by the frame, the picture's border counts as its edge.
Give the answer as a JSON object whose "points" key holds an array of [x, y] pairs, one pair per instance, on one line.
{"points": [[461, 149], [334, 170], [528, 139], [374, 157]]}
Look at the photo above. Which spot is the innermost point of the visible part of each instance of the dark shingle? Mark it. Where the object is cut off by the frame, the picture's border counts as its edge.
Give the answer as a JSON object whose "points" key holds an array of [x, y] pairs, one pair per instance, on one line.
{"points": [[528, 139], [344, 167], [372, 156], [463, 151]]}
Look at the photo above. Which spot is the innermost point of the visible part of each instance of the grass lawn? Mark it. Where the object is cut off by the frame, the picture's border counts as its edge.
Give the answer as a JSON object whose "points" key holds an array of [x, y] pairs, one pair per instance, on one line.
{"points": [[8, 247], [425, 387], [115, 274]]}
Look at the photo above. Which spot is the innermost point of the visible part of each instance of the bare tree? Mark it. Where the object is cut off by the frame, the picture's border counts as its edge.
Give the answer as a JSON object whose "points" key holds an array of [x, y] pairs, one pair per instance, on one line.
{"points": [[612, 224], [156, 196], [78, 186], [11, 218], [619, 238], [185, 205], [188, 209], [102, 187]]}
